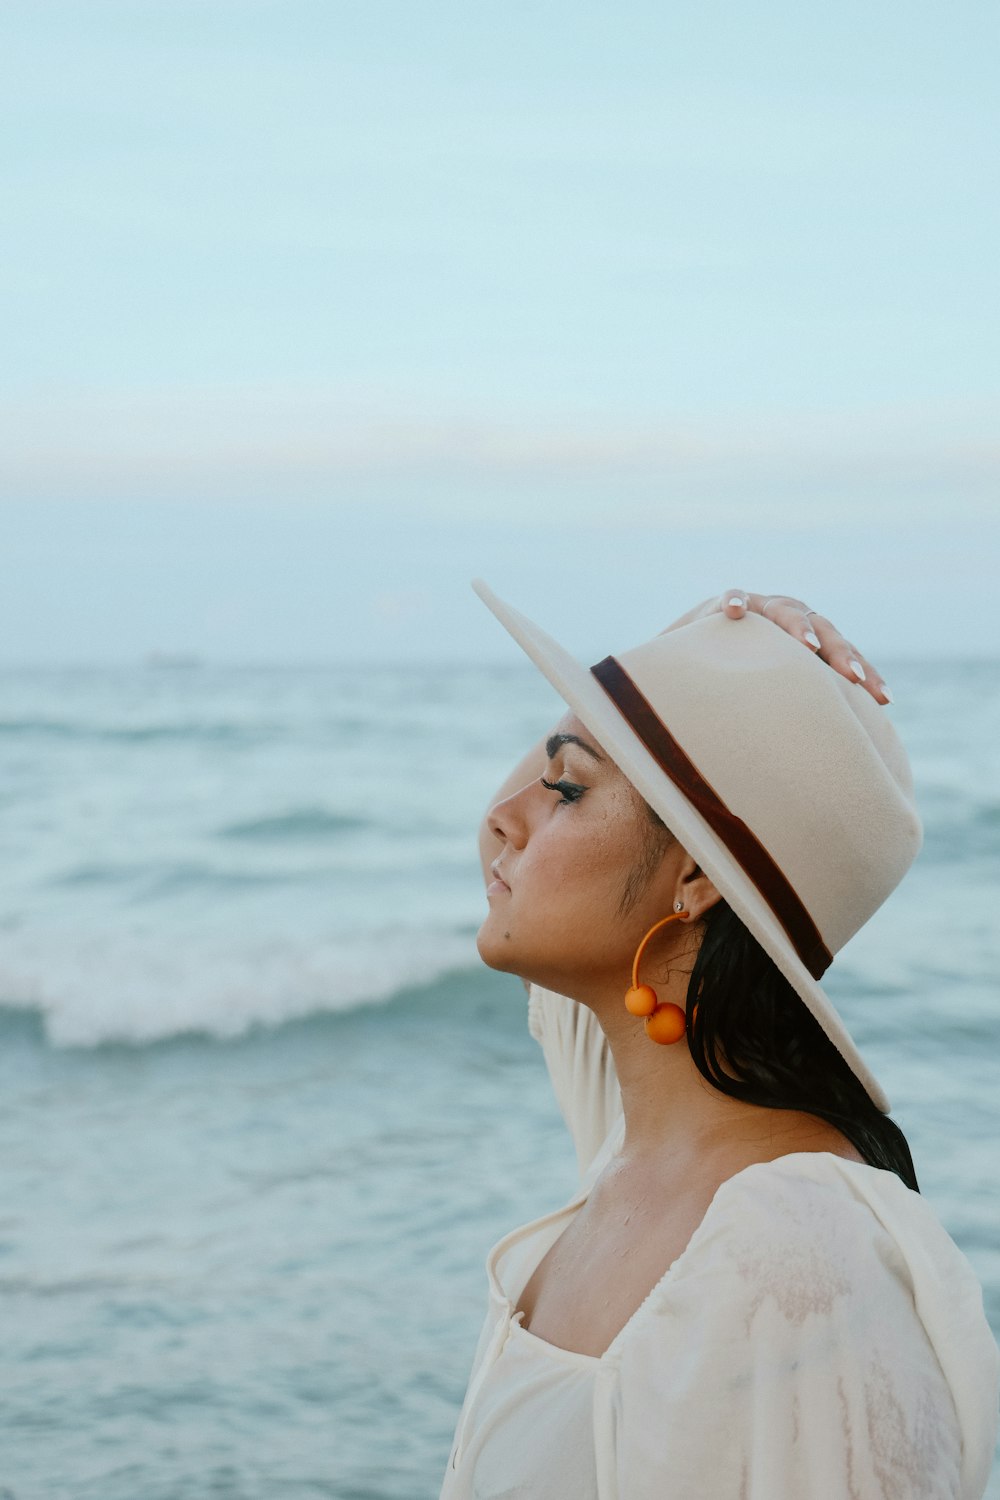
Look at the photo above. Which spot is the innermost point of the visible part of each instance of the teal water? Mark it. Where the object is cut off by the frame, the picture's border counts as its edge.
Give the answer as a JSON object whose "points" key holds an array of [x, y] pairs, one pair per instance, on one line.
{"points": [[262, 1111]]}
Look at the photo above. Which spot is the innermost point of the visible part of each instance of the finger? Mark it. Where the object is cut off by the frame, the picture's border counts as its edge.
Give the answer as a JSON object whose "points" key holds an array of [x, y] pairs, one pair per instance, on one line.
{"points": [[846, 659], [791, 615], [859, 669], [734, 603]]}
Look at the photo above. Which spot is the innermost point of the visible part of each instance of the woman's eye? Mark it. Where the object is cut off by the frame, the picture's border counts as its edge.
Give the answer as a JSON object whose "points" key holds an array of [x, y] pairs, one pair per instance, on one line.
{"points": [[570, 791]]}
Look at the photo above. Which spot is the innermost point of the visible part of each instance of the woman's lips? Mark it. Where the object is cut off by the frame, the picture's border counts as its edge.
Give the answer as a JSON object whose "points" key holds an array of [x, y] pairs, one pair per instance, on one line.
{"points": [[497, 885]]}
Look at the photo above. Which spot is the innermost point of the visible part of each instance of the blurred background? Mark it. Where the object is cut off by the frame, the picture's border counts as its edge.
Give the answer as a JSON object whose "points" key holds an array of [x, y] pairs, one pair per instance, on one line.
{"points": [[312, 313]]}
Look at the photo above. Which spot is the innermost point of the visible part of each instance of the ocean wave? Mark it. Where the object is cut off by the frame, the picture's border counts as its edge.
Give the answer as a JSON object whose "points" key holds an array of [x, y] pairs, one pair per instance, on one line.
{"points": [[220, 732], [297, 824], [215, 734], [151, 880], [138, 992], [49, 728]]}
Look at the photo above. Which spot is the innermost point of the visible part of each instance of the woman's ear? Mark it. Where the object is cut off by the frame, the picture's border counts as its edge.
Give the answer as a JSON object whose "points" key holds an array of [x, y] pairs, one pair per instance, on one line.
{"points": [[695, 889]]}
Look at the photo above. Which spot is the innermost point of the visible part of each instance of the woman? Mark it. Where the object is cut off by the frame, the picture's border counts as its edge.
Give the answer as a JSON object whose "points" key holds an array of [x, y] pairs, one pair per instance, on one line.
{"points": [[748, 1298]]}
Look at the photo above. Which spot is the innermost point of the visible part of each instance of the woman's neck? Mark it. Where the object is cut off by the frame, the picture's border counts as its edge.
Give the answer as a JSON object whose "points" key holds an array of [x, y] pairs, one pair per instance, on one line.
{"points": [[675, 1117]]}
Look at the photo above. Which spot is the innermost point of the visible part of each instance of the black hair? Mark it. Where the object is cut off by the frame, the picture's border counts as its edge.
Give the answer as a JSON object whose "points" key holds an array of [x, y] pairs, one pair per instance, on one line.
{"points": [[753, 1038]]}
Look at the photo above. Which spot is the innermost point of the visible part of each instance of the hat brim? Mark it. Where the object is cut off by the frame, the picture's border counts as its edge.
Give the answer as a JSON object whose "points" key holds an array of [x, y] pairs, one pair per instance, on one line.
{"points": [[591, 704]]}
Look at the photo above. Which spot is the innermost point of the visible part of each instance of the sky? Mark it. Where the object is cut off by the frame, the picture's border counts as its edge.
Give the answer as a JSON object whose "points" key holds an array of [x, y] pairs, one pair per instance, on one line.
{"points": [[314, 311]]}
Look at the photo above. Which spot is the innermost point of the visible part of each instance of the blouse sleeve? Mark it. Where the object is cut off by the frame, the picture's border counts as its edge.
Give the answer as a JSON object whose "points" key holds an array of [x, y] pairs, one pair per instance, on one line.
{"points": [[581, 1068], [786, 1356]]}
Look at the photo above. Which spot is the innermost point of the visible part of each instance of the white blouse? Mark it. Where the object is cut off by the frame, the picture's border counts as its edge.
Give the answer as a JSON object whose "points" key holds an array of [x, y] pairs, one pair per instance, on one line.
{"points": [[820, 1338]]}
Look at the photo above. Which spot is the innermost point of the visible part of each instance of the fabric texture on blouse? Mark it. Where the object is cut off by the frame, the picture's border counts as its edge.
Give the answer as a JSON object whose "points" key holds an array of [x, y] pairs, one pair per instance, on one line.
{"points": [[530, 1430], [821, 1337]]}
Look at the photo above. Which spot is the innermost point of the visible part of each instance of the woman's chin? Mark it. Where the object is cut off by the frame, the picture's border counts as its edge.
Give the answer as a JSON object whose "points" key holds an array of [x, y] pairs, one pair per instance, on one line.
{"points": [[495, 948], [492, 951]]}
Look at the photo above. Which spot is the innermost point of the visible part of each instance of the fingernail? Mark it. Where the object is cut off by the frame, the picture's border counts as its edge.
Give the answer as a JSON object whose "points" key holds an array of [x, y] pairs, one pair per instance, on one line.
{"points": [[813, 639], [736, 599], [857, 669], [886, 693]]}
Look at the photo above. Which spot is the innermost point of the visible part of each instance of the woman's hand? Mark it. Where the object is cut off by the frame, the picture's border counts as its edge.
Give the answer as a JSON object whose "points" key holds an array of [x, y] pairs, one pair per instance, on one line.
{"points": [[815, 631]]}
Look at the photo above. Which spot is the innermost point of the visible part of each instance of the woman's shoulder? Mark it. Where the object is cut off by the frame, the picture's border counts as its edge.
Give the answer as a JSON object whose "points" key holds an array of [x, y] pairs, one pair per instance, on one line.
{"points": [[815, 1247], [815, 1288], [828, 1218]]}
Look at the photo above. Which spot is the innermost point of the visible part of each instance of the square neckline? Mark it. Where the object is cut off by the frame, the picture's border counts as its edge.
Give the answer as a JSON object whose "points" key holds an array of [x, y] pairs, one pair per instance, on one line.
{"points": [[515, 1319]]}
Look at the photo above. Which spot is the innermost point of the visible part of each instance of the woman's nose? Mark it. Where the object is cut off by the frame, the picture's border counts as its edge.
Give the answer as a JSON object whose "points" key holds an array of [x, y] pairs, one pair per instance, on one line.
{"points": [[506, 819]]}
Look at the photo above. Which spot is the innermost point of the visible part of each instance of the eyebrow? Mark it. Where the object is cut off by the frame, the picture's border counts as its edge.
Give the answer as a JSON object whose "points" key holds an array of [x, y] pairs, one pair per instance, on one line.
{"points": [[556, 741]]}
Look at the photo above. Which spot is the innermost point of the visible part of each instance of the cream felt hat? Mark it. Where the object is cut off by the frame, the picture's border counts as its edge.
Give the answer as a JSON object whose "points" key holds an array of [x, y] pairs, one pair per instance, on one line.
{"points": [[785, 781]]}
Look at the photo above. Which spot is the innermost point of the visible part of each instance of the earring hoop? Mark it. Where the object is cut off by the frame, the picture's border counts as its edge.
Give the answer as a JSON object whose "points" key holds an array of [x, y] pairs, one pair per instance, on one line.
{"points": [[665, 1022]]}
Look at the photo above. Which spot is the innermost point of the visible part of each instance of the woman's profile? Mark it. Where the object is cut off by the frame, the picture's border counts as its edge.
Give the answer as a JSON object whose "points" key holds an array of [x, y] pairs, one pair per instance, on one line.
{"points": [[748, 1299]]}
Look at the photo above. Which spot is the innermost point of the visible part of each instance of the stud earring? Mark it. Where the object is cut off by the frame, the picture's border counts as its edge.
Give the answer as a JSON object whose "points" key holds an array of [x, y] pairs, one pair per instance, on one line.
{"points": [[666, 1022]]}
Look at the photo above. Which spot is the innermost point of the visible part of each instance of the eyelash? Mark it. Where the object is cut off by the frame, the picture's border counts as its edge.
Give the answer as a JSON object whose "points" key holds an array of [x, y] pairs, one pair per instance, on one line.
{"points": [[570, 791]]}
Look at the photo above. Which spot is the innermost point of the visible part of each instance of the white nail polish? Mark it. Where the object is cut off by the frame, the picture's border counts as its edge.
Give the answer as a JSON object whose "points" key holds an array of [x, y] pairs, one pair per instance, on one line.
{"points": [[734, 600], [857, 669], [813, 639], [886, 693]]}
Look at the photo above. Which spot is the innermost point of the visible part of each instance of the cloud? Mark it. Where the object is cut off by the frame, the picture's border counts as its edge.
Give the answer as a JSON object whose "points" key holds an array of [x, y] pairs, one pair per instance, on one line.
{"points": [[343, 445]]}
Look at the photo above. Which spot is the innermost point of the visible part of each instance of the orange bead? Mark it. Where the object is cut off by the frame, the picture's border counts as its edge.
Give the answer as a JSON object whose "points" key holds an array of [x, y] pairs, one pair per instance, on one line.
{"points": [[667, 1024], [640, 1000]]}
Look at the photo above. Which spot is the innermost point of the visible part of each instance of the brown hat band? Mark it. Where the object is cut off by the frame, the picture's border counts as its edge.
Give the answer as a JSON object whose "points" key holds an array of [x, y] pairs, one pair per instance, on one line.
{"points": [[742, 844]]}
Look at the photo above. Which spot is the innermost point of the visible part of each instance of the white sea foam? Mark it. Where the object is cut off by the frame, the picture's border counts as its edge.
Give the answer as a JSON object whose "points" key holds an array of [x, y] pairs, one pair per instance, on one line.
{"points": [[110, 988]]}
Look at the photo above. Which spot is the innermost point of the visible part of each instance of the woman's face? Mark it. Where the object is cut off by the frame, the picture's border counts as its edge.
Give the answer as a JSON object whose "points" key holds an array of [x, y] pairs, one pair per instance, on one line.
{"points": [[580, 889]]}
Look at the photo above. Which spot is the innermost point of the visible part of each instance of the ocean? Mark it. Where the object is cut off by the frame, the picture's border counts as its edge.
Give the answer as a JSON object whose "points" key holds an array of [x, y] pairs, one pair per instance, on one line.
{"points": [[262, 1109]]}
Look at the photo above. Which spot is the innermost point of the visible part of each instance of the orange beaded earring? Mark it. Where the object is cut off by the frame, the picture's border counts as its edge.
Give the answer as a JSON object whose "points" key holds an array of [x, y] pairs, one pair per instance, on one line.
{"points": [[665, 1023]]}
